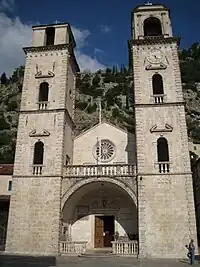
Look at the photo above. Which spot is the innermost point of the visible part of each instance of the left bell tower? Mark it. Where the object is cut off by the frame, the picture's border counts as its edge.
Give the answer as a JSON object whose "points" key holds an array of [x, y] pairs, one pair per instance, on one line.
{"points": [[44, 141]]}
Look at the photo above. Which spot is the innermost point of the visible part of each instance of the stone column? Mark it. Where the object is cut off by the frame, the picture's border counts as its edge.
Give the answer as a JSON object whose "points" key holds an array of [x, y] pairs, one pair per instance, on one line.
{"points": [[139, 27], [163, 23]]}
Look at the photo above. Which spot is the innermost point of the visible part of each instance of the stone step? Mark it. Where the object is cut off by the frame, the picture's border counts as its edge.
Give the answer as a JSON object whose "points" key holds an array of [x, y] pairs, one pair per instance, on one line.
{"points": [[97, 255], [93, 253]]}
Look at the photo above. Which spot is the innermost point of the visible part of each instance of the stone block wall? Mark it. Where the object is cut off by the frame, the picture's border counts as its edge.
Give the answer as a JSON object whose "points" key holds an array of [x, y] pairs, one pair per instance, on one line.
{"points": [[147, 142], [34, 217], [54, 123], [143, 86], [166, 215], [44, 61], [61, 35]]}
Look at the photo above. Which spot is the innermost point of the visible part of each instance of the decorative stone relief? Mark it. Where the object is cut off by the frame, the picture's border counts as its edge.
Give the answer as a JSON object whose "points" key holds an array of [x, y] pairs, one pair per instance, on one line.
{"points": [[34, 133], [49, 74], [104, 150], [103, 203], [166, 128]]}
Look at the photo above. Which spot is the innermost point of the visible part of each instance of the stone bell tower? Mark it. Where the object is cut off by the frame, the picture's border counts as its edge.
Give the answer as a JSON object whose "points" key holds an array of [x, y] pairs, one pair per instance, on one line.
{"points": [[165, 195], [44, 141]]}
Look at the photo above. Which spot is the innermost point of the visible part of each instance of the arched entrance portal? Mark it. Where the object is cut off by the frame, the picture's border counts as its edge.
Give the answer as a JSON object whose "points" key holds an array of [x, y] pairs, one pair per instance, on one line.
{"points": [[97, 211]]}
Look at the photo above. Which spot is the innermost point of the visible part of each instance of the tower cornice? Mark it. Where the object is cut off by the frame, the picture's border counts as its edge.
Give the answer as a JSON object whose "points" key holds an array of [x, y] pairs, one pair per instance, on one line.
{"points": [[154, 40], [49, 48], [181, 103], [147, 8], [45, 48]]}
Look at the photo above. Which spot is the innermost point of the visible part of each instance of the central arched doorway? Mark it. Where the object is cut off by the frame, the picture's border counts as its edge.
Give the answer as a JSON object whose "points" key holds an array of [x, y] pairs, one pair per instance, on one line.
{"points": [[97, 211]]}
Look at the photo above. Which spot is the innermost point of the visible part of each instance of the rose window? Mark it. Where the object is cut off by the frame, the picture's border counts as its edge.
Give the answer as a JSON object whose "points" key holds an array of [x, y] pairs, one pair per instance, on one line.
{"points": [[104, 150]]}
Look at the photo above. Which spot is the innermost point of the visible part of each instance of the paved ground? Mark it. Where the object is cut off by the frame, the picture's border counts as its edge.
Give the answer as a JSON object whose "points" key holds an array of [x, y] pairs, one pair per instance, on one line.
{"points": [[119, 262], [13, 261]]}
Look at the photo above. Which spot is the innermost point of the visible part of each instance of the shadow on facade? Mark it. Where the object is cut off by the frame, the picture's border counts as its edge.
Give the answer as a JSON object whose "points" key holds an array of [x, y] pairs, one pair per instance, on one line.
{"points": [[24, 261], [131, 148], [195, 167], [4, 211]]}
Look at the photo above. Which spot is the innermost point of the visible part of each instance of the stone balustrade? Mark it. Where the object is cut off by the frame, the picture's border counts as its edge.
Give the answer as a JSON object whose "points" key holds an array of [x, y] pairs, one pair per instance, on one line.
{"points": [[125, 248], [42, 105], [37, 169], [158, 99], [72, 247], [100, 170], [163, 167]]}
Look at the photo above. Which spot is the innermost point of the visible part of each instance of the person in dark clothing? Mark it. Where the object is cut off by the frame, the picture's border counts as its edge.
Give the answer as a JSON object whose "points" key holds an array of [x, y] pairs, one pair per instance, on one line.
{"points": [[191, 252]]}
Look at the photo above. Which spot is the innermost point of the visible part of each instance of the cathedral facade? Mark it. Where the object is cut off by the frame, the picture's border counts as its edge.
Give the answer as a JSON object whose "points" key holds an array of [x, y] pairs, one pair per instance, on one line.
{"points": [[105, 188]]}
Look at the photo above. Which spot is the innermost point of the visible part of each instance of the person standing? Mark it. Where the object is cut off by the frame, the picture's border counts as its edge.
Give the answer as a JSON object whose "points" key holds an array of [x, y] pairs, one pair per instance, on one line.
{"points": [[191, 249]]}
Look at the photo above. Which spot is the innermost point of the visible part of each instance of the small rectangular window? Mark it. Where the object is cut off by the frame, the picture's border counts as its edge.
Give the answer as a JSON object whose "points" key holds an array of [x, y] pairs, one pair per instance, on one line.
{"points": [[10, 186], [195, 148]]}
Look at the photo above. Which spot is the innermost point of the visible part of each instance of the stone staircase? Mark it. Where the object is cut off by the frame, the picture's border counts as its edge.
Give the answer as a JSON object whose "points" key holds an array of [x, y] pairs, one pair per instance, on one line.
{"points": [[96, 253]]}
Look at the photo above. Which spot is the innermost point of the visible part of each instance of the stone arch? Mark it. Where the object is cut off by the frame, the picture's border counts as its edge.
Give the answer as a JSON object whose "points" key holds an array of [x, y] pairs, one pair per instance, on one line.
{"points": [[43, 92], [83, 182], [152, 27], [38, 156], [157, 82], [162, 150]]}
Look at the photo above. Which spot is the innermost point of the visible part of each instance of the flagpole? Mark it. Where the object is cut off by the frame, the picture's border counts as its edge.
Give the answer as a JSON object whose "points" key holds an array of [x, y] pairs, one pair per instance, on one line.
{"points": [[100, 111], [100, 124]]}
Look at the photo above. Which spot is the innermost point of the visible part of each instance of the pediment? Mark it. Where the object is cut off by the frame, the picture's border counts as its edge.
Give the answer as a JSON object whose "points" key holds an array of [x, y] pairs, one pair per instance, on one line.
{"points": [[34, 133], [166, 128], [160, 66], [49, 74]]}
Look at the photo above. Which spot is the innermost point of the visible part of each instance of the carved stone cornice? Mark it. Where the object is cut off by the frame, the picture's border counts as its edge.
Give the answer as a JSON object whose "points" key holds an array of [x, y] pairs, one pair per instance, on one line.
{"points": [[39, 74], [166, 128], [182, 103], [160, 66], [45, 48], [155, 40], [43, 133]]}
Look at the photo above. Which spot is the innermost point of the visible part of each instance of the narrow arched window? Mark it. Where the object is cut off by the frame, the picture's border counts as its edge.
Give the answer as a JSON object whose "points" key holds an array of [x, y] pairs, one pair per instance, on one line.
{"points": [[152, 27], [162, 150], [38, 153], [157, 82], [50, 35], [43, 92]]}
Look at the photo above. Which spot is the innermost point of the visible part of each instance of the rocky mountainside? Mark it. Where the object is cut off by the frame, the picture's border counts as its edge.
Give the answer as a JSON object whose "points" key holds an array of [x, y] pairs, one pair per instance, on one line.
{"points": [[113, 87]]}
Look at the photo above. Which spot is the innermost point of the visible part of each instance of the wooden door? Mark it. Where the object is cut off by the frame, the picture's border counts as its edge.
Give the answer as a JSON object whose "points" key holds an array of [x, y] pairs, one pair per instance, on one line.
{"points": [[99, 229]]}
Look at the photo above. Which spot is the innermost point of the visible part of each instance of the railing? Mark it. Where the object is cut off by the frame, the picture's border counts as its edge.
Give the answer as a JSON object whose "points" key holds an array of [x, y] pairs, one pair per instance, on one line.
{"points": [[163, 167], [72, 247], [42, 105], [129, 248], [158, 99], [37, 169], [100, 170]]}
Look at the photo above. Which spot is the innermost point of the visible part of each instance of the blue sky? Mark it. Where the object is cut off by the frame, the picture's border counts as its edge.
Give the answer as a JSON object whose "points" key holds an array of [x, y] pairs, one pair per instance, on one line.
{"points": [[101, 28]]}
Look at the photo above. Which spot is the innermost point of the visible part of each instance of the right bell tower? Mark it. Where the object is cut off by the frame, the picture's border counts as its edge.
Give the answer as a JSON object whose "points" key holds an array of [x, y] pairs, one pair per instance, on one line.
{"points": [[166, 214]]}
